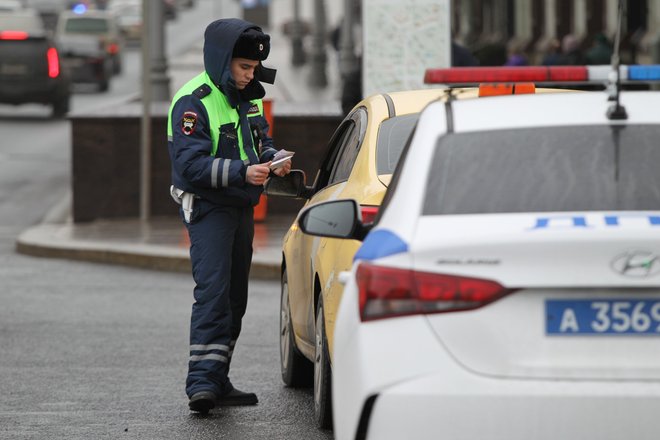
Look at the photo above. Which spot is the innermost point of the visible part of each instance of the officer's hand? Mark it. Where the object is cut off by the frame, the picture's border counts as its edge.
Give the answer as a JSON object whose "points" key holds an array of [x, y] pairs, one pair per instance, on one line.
{"points": [[257, 174], [283, 170]]}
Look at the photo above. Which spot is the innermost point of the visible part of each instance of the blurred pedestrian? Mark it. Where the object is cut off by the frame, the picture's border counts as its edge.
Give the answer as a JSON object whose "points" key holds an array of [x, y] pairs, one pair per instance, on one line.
{"points": [[220, 153], [516, 55], [552, 53], [600, 52], [571, 53], [461, 56]]}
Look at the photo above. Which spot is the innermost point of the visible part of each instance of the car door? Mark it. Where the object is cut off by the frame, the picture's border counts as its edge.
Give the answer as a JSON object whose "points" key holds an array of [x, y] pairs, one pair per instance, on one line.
{"points": [[302, 247]]}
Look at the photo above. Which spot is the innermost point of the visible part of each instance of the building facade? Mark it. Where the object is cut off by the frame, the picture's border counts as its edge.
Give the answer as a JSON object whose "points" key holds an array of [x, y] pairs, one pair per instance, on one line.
{"points": [[489, 27]]}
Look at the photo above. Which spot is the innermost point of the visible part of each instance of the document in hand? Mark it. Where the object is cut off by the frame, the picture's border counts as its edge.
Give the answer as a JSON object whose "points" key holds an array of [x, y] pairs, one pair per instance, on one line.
{"points": [[280, 159]]}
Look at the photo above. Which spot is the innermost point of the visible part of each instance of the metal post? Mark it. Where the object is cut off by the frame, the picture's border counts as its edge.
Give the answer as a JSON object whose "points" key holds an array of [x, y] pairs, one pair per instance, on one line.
{"points": [[159, 79], [145, 129], [298, 53], [318, 77]]}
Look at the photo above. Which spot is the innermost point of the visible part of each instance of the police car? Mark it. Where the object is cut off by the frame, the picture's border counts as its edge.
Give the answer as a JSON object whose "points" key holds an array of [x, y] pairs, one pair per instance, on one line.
{"points": [[510, 286]]}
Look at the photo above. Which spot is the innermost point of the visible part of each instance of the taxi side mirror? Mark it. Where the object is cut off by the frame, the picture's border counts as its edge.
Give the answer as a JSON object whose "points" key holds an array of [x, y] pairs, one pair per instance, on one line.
{"points": [[334, 219], [291, 185]]}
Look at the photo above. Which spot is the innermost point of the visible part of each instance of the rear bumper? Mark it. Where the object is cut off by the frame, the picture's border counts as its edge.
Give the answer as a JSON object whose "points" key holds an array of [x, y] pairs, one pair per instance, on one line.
{"points": [[420, 391], [440, 406], [43, 92], [87, 69]]}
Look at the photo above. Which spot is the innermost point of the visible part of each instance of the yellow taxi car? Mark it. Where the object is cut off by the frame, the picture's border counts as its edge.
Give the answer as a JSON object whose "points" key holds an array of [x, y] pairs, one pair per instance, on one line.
{"points": [[358, 164]]}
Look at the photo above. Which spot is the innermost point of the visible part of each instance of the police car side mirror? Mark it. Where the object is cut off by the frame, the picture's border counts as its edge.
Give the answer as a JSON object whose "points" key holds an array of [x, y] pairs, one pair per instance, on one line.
{"points": [[291, 185], [334, 219]]}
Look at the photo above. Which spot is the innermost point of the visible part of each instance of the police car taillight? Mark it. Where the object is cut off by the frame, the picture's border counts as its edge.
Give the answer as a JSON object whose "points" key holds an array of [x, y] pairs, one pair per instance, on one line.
{"points": [[53, 63], [13, 35], [386, 292]]}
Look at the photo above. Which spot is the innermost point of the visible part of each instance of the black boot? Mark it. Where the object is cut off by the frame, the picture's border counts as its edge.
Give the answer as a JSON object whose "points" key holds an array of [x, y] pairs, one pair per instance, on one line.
{"points": [[203, 401], [237, 398]]}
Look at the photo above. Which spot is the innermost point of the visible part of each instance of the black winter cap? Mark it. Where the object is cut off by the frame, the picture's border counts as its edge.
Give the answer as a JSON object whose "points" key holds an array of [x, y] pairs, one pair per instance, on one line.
{"points": [[252, 45]]}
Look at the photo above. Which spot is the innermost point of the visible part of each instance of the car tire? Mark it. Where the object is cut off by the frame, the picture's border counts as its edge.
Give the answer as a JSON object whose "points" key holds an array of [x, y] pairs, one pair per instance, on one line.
{"points": [[116, 66], [60, 108], [104, 85], [322, 373], [297, 371]]}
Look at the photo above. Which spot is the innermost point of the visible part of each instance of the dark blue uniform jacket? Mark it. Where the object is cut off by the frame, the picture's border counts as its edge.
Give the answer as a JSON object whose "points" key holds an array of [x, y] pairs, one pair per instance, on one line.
{"points": [[192, 163]]}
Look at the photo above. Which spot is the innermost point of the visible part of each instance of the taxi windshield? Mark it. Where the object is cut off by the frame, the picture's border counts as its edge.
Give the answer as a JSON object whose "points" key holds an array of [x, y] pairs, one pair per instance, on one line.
{"points": [[573, 168]]}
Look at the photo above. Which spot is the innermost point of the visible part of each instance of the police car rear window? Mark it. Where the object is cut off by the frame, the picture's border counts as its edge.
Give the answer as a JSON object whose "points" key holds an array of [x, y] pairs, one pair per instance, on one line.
{"points": [[85, 25], [392, 136], [576, 168]]}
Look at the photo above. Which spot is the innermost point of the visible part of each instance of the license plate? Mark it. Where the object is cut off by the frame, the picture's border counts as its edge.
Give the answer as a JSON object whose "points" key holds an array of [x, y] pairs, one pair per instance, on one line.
{"points": [[13, 69], [74, 62], [602, 317]]}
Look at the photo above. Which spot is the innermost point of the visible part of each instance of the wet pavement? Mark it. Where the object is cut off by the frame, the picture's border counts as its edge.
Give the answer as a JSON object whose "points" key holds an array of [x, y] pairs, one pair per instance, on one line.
{"points": [[162, 243]]}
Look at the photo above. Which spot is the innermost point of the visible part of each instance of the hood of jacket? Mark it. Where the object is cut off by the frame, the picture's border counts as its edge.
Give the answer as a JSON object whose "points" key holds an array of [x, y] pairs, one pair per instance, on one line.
{"points": [[219, 40]]}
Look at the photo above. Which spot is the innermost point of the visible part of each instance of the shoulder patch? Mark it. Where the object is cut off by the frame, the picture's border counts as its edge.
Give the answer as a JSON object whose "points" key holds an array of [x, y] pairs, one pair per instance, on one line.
{"points": [[188, 123], [254, 110], [202, 91]]}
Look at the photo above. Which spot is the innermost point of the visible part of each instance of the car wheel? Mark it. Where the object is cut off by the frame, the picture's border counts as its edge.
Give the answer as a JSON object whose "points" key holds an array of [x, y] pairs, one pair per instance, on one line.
{"points": [[116, 66], [104, 85], [296, 370], [322, 373], [60, 108]]}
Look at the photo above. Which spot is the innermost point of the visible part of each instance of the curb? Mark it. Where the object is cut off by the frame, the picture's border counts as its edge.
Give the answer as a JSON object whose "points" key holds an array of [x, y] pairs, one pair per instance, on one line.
{"points": [[55, 237], [35, 242]]}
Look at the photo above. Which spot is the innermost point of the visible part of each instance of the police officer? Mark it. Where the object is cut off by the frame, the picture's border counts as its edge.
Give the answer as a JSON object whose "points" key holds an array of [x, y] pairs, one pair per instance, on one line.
{"points": [[220, 153]]}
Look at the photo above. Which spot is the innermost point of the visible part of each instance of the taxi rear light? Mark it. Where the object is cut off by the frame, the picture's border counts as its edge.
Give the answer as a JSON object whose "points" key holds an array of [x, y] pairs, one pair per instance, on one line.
{"points": [[498, 89], [53, 63], [369, 213], [386, 292], [465, 75], [13, 35]]}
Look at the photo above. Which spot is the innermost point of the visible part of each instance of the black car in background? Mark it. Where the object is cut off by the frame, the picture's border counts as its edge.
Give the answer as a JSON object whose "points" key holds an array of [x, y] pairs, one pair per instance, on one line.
{"points": [[30, 70]]}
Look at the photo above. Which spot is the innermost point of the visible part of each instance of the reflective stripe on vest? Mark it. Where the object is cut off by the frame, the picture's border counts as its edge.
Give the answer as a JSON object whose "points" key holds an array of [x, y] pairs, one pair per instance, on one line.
{"points": [[219, 112]]}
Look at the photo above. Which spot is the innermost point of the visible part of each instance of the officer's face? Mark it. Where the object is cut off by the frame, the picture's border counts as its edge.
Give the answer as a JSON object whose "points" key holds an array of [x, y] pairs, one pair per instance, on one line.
{"points": [[242, 70]]}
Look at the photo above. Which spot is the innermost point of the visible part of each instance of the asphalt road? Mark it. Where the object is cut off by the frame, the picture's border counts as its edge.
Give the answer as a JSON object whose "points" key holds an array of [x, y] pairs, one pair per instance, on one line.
{"points": [[89, 351]]}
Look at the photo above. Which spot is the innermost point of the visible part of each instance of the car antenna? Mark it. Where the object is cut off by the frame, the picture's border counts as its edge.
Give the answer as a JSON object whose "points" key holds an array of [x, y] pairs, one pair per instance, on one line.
{"points": [[616, 110]]}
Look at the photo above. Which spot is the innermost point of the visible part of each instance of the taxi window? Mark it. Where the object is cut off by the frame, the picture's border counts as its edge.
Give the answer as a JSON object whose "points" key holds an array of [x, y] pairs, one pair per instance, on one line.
{"points": [[350, 147], [575, 168], [392, 136], [347, 156]]}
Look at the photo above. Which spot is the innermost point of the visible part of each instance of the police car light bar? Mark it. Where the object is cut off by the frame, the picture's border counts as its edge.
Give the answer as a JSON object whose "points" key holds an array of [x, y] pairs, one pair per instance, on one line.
{"points": [[540, 74]]}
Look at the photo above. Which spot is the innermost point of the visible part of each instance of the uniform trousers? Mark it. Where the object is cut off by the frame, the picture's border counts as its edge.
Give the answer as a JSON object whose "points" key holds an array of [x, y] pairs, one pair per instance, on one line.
{"points": [[221, 254]]}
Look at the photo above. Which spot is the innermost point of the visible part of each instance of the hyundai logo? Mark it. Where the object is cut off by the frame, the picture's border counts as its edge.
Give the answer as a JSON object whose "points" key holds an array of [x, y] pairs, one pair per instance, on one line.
{"points": [[638, 264]]}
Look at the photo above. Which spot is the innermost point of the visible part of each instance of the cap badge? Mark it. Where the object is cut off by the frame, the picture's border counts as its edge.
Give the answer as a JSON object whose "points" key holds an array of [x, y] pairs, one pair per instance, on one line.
{"points": [[261, 47]]}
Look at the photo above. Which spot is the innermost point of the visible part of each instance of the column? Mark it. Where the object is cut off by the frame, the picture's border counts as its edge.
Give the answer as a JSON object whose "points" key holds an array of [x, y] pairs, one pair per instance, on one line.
{"points": [[580, 19], [523, 12], [611, 18]]}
